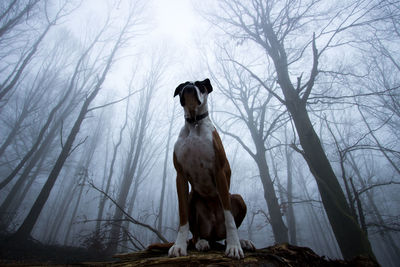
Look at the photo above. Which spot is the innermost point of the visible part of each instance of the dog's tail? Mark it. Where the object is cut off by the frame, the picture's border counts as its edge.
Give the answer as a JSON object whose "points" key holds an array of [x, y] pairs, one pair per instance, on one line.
{"points": [[160, 246]]}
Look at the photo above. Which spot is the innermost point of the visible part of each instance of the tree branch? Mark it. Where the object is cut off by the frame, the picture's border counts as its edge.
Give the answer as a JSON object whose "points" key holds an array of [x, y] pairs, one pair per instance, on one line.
{"points": [[116, 101], [131, 219]]}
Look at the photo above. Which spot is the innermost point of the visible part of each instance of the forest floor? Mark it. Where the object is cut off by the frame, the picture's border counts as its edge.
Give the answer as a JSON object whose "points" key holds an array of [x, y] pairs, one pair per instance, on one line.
{"points": [[33, 253]]}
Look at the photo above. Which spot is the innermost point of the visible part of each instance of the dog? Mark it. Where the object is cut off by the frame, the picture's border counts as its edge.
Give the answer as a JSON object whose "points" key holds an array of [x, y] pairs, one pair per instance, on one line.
{"points": [[209, 211]]}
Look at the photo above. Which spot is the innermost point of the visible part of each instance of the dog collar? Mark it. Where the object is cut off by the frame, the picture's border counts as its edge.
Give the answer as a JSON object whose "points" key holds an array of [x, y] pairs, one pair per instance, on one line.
{"points": [[197, 118]]}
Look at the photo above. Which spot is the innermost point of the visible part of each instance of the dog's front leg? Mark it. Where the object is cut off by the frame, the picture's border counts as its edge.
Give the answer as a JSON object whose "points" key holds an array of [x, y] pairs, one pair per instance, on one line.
{"points": [[180, 246], [233, 247]]}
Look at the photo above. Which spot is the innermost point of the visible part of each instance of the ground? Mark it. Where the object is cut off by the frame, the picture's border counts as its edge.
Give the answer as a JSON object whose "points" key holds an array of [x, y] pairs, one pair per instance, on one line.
{"points": [[33, 253]]}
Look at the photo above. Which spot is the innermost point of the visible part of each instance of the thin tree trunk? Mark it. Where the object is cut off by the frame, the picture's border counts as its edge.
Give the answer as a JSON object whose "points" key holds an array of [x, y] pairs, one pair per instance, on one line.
{"points": [[37, 142], [359, 207], [15, 206], [16, 19], [127, 180], [388, 239], [14, 130], [4, 87], [84, 169], [78, 201], [343, 170], [34, 159], [278, 227], [351, 239], [25, 229], [61, 211], [290, 213], [379, 144], [164, 177], [318, 227], [111, 171]]}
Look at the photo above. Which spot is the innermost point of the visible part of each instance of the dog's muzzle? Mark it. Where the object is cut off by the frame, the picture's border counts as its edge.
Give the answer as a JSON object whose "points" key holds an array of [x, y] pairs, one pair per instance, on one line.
{"points": [[189, 89]]}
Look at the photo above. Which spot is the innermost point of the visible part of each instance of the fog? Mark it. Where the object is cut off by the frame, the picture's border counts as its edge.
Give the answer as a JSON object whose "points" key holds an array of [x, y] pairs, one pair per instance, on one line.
{"points": [[305, 98]]}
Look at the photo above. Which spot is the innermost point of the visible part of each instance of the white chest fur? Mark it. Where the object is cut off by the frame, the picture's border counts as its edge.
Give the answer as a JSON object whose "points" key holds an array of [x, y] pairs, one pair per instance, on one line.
{"points": [[195, 153]]}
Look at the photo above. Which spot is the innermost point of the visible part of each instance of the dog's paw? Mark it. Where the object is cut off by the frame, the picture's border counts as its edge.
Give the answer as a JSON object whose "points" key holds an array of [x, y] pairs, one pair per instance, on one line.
{"points": [[247, 245], [202, 245], [234, 251], [177, 250]]}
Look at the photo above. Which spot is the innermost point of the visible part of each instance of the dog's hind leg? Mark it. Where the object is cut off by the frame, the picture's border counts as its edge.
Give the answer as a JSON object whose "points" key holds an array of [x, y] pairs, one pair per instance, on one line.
{"points": [[239, 209]]}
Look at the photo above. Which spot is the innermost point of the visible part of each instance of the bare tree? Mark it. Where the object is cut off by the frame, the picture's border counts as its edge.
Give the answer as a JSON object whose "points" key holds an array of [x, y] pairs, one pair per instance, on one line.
{"points": [[291, 219], [164, 175], [25, 229], [136, 147], [273, 26], [14, 13], [15, 75], [250, 105]]}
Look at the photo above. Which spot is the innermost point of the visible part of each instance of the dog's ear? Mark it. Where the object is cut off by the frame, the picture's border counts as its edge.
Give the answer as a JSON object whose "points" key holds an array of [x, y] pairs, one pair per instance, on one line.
{"points": [[207, 84], [204, 85], [179, 88]]}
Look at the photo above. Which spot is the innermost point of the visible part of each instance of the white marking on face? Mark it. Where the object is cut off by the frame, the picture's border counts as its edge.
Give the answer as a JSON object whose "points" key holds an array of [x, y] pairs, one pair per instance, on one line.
{"points": [[192, 107]]}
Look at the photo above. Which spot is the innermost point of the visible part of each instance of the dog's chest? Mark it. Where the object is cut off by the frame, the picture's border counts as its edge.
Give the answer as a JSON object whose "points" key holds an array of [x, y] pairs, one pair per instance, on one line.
{"points": [[195, 153]]}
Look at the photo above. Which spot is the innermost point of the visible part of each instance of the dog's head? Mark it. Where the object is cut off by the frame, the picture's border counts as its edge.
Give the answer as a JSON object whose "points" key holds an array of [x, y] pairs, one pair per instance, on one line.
{"points": [[193, 95]]}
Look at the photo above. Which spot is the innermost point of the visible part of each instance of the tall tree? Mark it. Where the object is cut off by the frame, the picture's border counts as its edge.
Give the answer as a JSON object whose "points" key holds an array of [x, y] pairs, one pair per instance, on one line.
{"points": [[136, 148], [164, 175], [15, 75], [273, 25], [25, 229], [250, 105]]}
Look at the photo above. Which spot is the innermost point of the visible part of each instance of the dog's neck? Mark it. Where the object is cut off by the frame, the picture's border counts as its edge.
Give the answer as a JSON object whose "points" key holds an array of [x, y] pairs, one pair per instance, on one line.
{"points": [[197, 117]]}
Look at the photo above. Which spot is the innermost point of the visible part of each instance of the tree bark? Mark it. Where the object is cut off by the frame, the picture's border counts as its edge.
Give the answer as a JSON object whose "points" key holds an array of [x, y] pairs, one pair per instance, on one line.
{"points": [[279, 229]]}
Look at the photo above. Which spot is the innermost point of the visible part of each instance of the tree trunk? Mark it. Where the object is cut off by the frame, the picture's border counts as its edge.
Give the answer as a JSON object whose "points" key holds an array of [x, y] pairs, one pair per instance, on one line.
{"points": [[291, 220], [25, 229], [164, 177], [278, 226], [7, 87], [78, 201], [27, 170], [389, 242], [83, 171], [318, 227], [127, 179], [359, 208], [37, 141], [14, 130], [351, 239], [111, 171]]}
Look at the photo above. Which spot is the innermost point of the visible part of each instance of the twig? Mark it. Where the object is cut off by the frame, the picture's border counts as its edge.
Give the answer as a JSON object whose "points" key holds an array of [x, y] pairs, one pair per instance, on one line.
{"points": [[131, 219], [116, 101]]}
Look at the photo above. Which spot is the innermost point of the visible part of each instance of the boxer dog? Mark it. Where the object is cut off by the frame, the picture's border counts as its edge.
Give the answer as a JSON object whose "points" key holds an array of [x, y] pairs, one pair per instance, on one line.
{"points": [[209, 211]]}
